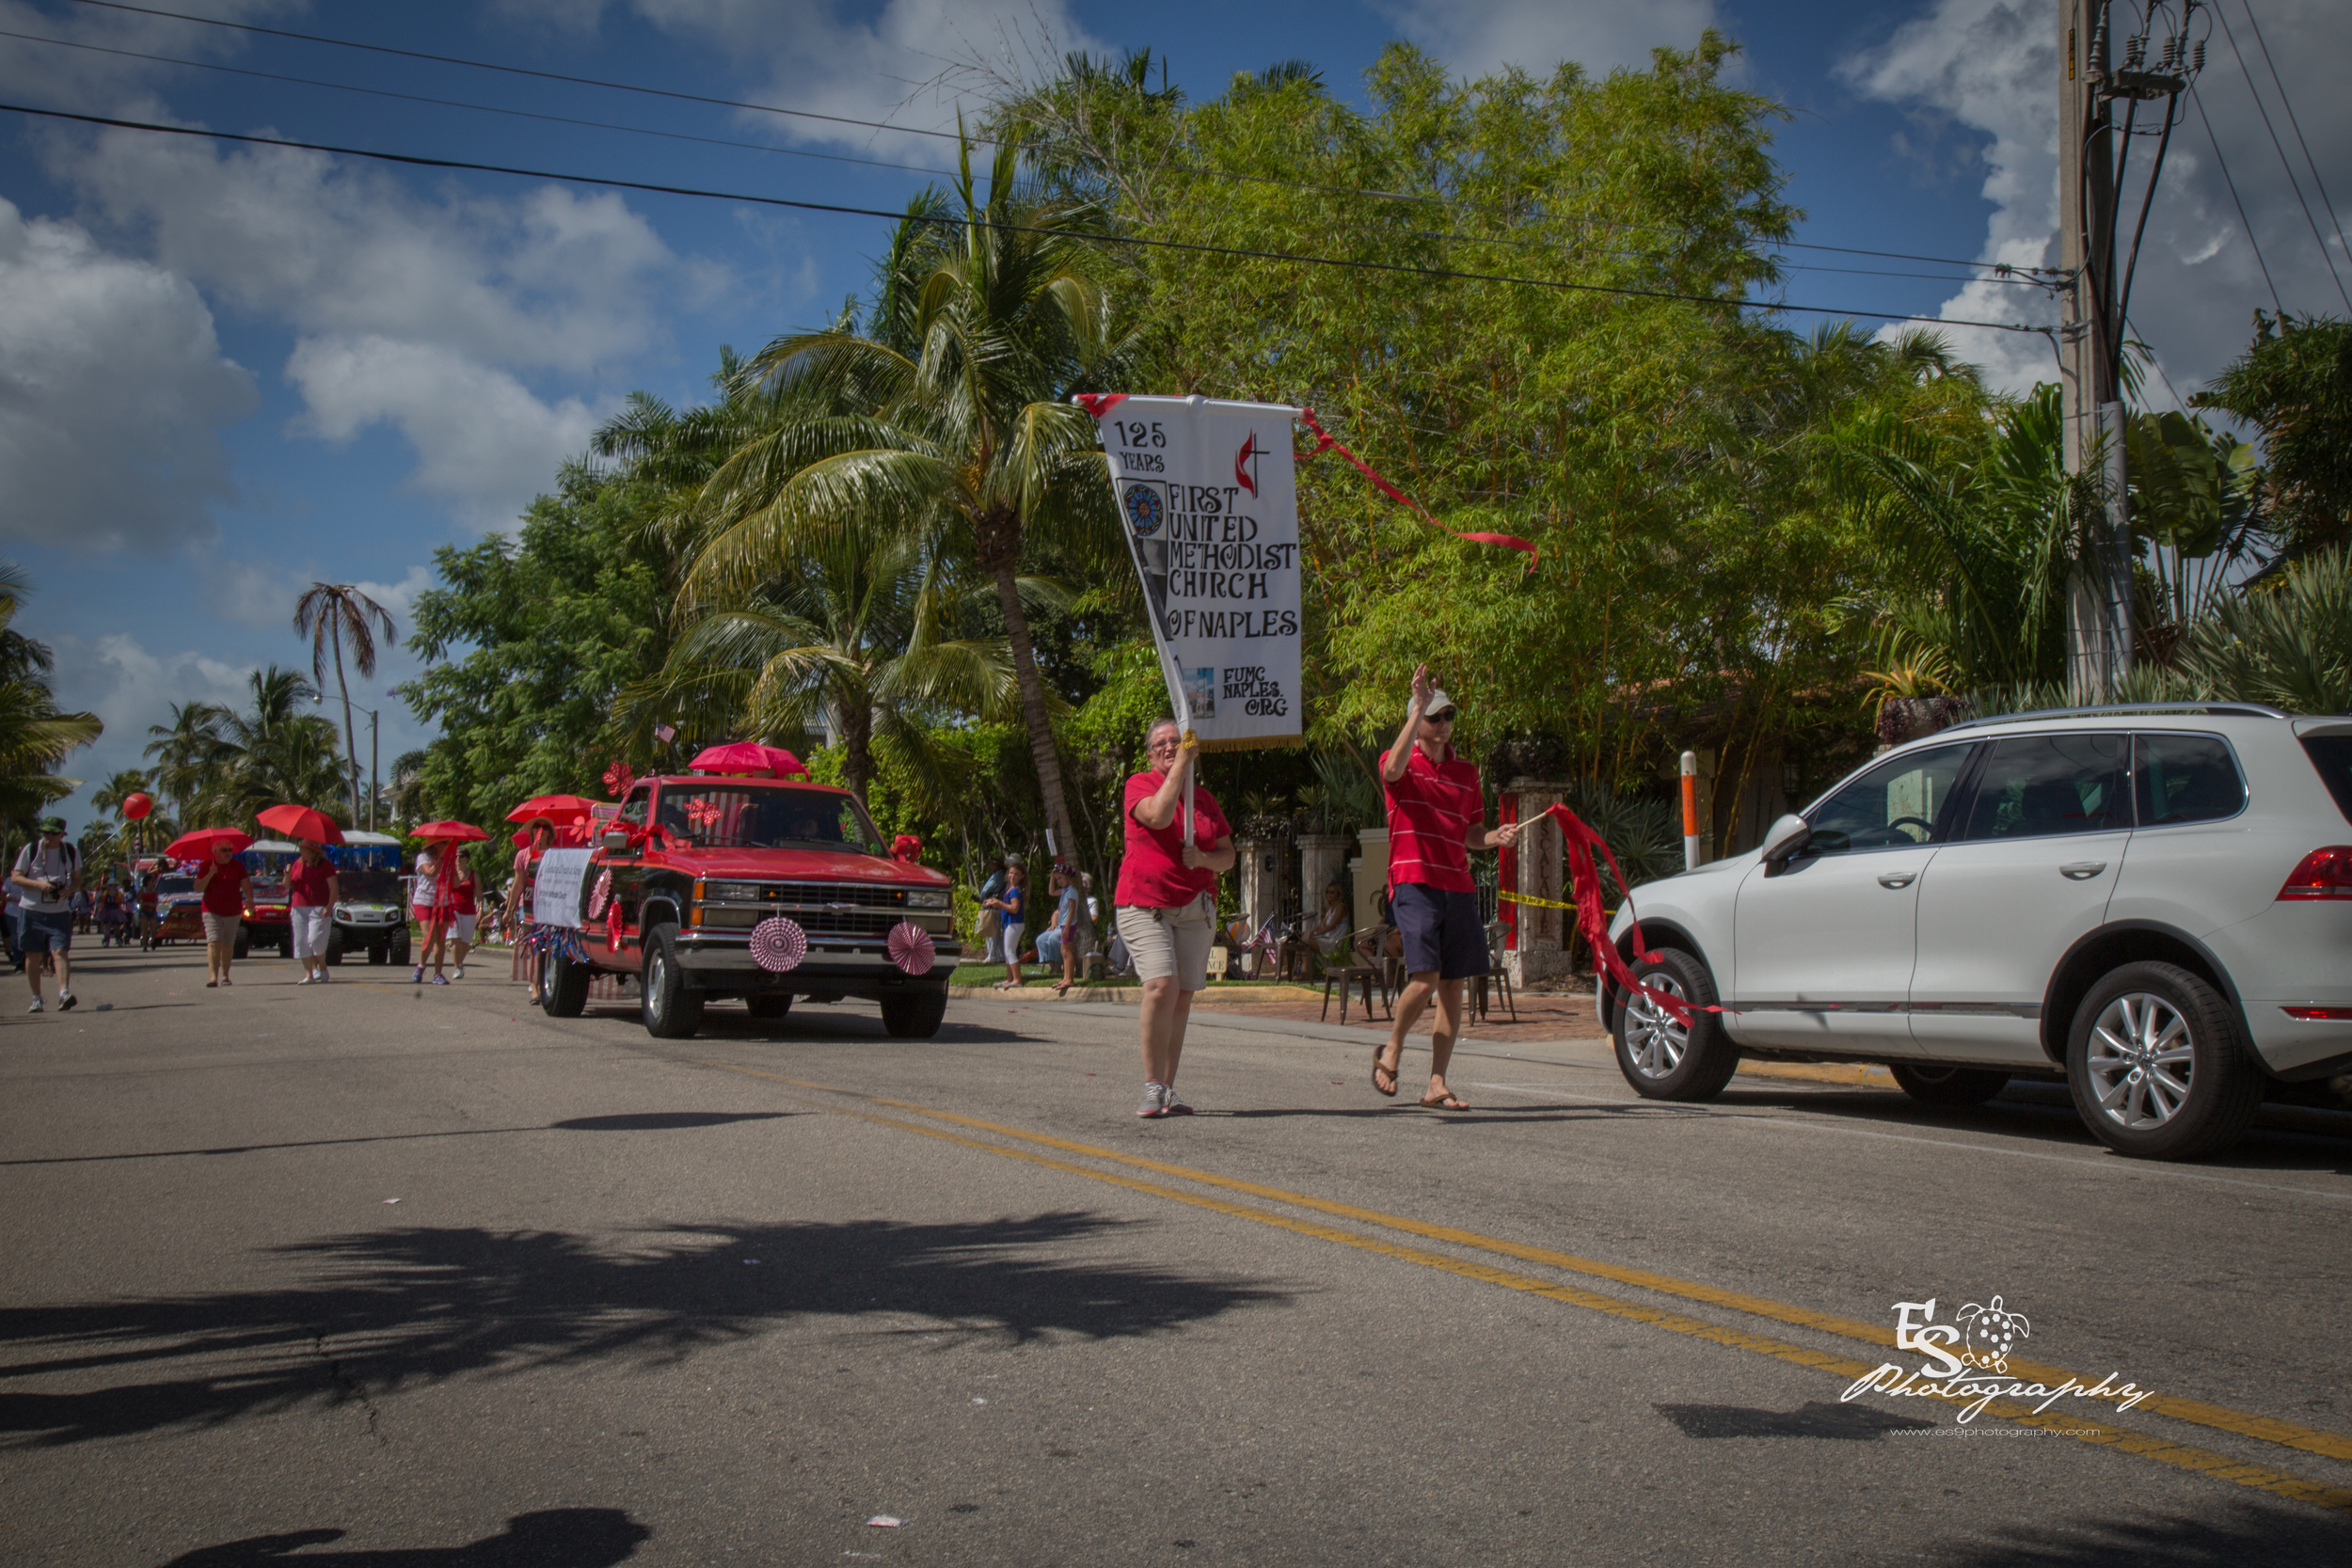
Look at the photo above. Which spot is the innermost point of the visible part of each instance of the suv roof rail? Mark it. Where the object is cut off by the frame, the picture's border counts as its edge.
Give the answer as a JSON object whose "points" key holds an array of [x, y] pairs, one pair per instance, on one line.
{"points": [[2238, 710]]}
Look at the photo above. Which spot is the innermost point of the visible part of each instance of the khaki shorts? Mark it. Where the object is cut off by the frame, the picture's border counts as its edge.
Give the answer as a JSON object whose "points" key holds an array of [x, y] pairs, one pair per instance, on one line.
{"points": [[221, 928], [1170, 943]]}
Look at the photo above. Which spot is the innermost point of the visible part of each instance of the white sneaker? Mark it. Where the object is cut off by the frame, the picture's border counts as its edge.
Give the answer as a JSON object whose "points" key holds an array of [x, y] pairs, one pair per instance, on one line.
{"points": [[35, 1007], [304, 981], [457, 974], [325, 976]]}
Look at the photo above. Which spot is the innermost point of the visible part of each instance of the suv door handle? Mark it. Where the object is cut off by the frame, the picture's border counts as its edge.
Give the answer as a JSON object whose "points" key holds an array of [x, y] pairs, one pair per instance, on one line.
{"points": [[2082, 871], [1898, 878]]}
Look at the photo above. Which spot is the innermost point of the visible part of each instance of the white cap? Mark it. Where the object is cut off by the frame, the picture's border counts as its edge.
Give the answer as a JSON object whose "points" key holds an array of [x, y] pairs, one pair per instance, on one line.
{"points": [[1439, 702]]}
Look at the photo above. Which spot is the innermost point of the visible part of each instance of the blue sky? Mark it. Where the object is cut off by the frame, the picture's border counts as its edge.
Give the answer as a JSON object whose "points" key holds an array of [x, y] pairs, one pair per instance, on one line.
{"points": [[224, 373]]}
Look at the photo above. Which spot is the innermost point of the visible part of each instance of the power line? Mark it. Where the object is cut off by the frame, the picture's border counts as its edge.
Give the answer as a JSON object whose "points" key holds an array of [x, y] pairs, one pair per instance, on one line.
{"points": [[871, 124], [1193, 247], [2215, 142], [2293, 184], [793, 151], [2289, 104]]}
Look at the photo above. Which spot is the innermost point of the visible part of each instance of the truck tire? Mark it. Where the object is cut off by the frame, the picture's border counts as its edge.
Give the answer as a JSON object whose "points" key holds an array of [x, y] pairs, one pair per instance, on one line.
{"points": [[1933, 1083], [672, 1009], [913, 1015], [2158, 1065], [769, 1005], [1660, 1058], [244, 944], [562, 986], [400, 949]]}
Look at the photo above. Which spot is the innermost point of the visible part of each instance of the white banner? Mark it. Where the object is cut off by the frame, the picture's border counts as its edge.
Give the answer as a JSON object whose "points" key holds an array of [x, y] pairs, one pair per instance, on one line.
{"points": [[555, 888], [1206, 496]]}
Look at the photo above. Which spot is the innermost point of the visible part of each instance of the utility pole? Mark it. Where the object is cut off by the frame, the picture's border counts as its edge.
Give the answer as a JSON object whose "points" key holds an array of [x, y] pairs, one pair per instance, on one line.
{"points": [[2099, 593]]}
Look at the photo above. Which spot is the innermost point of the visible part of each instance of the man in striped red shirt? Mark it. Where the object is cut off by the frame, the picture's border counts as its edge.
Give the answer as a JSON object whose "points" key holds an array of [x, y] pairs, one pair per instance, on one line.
{"points": [[1436, 816]]}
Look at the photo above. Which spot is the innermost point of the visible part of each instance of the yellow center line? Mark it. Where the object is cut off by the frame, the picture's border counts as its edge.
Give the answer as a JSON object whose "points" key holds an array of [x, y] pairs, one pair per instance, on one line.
{"points": [[2195, 1412]]}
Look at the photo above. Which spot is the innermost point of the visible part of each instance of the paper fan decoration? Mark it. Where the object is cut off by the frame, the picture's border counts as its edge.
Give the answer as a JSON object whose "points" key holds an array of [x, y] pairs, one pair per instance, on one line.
{"points": [[604, 891], [911, 948], [778, 945]]}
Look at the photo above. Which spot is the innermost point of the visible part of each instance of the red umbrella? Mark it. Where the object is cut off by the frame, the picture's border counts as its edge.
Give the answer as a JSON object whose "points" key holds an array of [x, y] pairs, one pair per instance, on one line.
{"points": [[455, 832], [197, 845], [556, 808], [302, 822], [747, 757]]}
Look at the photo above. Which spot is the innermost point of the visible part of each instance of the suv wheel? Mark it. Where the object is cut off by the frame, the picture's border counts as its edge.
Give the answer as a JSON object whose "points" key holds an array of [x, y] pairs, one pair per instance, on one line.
{"points": [[1659, 1058], [2158, 1068], [562, 986], [1936, 1085], [913, 1015], [672, 1011]]}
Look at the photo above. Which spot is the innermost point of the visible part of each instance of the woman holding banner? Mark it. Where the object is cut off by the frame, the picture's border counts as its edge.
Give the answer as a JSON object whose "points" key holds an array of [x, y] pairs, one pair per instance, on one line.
{"points": [[1436, 816], [1166, 902]]}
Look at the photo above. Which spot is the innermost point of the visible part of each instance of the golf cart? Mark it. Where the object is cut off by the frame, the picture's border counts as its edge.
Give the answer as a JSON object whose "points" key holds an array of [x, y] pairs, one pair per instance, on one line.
{"points": [[372, 913]]}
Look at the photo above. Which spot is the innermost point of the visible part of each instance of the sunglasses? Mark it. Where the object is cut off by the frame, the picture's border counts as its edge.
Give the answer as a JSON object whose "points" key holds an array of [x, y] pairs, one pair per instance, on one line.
{"points": [[1444, 718]]}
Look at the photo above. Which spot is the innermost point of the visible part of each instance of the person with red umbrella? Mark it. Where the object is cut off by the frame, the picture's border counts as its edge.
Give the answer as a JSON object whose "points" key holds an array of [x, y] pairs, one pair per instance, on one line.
{"points": [[434, 898], [222, 882], [312, 888]]}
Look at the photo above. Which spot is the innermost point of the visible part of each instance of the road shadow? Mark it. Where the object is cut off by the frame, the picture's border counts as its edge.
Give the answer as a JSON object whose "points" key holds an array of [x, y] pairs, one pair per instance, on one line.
{"points": [[2271, 1534], [662, 1122], [1846, 1422], [642, 1121], [551, 1538], [398, 1307]]}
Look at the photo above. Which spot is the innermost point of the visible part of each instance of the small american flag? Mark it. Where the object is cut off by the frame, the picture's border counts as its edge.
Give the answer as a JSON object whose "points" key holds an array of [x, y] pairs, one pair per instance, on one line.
{"points": [[664, 734]]}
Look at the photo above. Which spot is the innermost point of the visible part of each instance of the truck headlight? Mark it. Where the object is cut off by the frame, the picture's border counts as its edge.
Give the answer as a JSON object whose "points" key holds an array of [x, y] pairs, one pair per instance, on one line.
{"points": [[734, 893], [928, 899]]}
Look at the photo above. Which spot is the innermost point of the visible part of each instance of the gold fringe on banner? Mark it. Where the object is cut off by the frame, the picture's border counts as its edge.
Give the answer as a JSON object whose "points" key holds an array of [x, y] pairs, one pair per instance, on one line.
{"points": [[1250, 743]]}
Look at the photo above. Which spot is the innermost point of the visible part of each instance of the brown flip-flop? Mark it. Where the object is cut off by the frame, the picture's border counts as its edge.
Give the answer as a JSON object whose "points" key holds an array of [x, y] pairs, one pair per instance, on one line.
{"points": [[1396, 1073], [1447, 1102]]}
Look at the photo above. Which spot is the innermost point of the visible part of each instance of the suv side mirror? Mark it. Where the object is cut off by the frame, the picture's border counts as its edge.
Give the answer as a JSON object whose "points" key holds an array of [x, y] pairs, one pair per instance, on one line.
{"points": [[616, 841], [1784, 838]]}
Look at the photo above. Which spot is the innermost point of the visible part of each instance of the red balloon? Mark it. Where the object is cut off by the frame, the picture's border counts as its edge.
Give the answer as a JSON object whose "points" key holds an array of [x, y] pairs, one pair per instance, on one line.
{"points": [[136, 807]]}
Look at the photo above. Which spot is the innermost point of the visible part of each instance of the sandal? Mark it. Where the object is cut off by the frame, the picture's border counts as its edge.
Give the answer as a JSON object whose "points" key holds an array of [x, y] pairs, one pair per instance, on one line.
{"points": [[1446, 1101], [1395, 1073]]}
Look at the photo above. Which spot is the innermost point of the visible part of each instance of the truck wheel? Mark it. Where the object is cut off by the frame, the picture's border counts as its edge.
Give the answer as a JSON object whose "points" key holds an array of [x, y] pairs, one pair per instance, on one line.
{"points": [[770, 1004], [562, 986], [244, 944], [2158, 1065], [672, 1011], [1659, 1057], [913, 1015], [400, 949], [1933, 1083]]}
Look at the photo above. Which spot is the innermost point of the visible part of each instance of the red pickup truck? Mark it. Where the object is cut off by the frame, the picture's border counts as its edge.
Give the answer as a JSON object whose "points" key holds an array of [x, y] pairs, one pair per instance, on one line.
{"points": [[711, 888]]}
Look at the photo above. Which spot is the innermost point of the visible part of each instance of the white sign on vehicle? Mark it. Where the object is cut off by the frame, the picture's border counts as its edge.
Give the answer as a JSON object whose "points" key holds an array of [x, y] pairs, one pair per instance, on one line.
{"points": [[555, 889]]}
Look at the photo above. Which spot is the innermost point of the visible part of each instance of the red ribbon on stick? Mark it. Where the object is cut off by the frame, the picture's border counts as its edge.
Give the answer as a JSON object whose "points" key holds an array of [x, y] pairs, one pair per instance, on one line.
{"points": [[1584, 883], [1326, 442]]}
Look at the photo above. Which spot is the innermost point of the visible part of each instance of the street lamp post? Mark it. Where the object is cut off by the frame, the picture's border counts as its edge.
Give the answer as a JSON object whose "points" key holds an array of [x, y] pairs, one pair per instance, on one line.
{"points": [[319, 699]]}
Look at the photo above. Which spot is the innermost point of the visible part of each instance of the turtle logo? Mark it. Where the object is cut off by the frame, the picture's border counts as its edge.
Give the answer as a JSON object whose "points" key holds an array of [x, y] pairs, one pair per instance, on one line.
{"points": [[1144, 513], [1990, 1332]]}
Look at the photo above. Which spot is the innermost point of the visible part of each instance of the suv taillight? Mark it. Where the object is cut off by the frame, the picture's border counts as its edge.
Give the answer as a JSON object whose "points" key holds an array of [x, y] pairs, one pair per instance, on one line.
{"points": [[2324, 874]]}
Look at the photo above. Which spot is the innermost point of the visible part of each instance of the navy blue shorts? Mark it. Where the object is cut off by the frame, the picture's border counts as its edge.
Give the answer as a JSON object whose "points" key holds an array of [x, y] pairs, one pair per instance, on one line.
{"points": [[1441, 931]]}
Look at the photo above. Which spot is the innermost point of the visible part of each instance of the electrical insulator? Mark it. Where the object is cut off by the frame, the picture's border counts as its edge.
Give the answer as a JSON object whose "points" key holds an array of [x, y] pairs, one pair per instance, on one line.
{"points": [[2134, 52], [2196, 57], [2171, 56], [2099, 44]]}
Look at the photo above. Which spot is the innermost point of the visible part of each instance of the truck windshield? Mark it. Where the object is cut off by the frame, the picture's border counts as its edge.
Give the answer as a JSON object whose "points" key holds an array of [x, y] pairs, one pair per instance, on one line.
{"points": [[735, 817], [167, 886]]}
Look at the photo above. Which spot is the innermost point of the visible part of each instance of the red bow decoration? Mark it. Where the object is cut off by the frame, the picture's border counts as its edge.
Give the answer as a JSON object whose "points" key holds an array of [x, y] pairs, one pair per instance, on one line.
{"points": [[1325, 442], [1584, 879], [906, 846], [614, 925], [618, 779], [642, 835]]}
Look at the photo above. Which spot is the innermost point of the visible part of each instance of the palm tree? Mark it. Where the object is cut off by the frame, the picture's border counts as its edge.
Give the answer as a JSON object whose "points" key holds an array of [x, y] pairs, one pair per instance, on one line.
{"points": [[327, 614], [271, 751], [855, 633], [948, 424], [35, 734], [188, 752]]}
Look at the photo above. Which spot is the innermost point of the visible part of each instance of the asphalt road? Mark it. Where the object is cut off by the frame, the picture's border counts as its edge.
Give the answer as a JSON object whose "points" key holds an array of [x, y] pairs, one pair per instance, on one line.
{"points": [[386, 1275]]}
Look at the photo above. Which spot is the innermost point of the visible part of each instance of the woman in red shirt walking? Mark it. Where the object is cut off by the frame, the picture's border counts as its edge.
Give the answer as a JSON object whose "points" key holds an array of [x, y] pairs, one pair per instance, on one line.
{"points": [[222, 883], [1166, 903], [1436, 816], [311, 892]]}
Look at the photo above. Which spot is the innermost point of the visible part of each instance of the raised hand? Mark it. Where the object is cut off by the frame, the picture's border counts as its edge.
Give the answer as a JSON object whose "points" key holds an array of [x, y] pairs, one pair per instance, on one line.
{"points": [[1423, 688]]}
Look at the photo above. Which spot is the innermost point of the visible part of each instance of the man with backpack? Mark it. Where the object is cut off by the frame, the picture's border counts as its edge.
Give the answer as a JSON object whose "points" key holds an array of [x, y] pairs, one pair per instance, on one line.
{"points": [[46, 875]]}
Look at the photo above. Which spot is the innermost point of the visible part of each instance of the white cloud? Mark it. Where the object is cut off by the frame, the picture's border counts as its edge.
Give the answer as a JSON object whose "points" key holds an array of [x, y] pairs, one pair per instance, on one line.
{"points": [[1478, 36], [131, 688], [1991, 67], [113, 393], [485, 442], [430, 315]]}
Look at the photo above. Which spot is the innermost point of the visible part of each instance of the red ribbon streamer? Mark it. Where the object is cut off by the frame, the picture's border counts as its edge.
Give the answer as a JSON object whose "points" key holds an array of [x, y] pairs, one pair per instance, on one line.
{"points": [[1325, 442], [1584, 879]]}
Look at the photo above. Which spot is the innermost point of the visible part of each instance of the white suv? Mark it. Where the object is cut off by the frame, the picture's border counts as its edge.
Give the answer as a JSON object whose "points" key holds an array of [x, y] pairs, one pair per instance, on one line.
{"points": [[2153, 904]]}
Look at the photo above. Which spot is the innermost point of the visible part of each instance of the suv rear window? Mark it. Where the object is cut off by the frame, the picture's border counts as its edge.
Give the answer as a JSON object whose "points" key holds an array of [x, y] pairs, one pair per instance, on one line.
{"points": [[2185, 778], [2332, 755]]}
